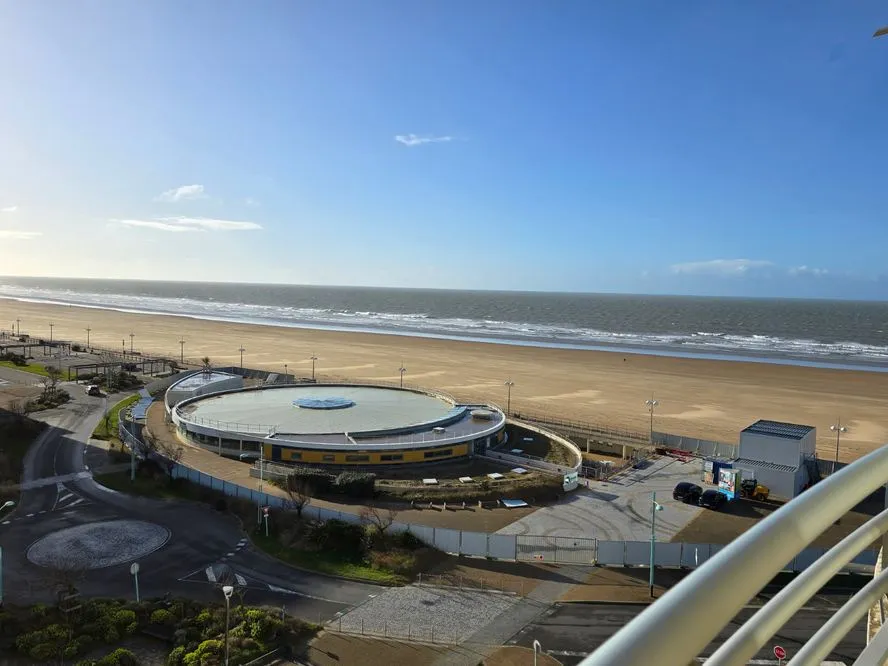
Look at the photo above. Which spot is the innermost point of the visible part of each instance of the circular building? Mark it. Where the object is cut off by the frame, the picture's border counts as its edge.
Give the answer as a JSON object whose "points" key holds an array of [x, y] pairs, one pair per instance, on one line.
{"points": [[337, 424]]}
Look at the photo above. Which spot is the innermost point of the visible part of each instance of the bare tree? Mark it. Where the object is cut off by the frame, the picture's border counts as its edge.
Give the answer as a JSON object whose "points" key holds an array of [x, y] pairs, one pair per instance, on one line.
{"points": [[50, 382], [381, 518], [18, 411], [206, 365], [169, 452], [298, 491]]}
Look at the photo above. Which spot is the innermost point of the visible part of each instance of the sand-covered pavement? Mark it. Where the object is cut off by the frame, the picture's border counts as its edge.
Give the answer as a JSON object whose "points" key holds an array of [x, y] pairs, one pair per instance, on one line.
{"points": [[707, 399]]}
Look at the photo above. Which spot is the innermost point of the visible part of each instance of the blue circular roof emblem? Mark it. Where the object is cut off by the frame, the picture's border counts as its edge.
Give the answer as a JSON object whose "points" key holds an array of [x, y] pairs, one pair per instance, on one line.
{"points": [[324, 403]]}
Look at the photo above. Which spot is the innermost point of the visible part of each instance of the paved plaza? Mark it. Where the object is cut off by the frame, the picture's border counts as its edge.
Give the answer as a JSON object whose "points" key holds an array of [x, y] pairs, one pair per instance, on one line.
{"points": [[620, 509]]}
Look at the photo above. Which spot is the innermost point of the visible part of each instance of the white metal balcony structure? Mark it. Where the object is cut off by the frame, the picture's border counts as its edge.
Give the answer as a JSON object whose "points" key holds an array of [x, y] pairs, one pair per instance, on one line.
{"points": [[677, 628]]}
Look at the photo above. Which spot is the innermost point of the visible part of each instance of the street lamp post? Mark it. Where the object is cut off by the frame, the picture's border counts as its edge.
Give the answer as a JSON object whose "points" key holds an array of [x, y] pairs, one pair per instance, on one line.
{"points": [[651, 404], [227, 590], [132, 335], [313, 360], [242, 350], [261, 480], [837, 428], [50, 332], [181, 351], [286, 374], [18, 326], [509, 384], [88, 329], [7, 505], [134, 570], [402, 370], [537, 648], [654, 508]]}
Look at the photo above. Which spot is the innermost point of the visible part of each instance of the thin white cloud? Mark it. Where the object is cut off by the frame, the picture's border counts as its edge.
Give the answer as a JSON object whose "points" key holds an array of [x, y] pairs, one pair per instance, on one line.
{"points": [[9, 209], [250, 201], [799, 271], [416, 140], [187, 224], [183, 193], [725, 267], [12, 234]]}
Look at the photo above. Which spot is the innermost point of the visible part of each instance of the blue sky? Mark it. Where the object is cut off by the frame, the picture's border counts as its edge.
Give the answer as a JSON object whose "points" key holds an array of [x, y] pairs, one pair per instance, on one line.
{"points": [[688, 147]]}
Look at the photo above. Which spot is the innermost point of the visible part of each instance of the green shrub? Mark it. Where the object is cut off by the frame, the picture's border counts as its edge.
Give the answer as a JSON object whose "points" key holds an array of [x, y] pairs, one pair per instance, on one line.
{"points": [[316, 481], [207, 652], [397, 561], [111, 635], [340, 537], [120, 657], [163, 616], [176, 656], [38, 610], [407, 540], [355, 484], [45, 644]]}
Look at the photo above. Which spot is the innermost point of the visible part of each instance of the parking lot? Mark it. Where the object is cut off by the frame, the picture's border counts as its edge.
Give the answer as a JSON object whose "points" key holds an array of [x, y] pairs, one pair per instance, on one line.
{"points": [[619, 509]]}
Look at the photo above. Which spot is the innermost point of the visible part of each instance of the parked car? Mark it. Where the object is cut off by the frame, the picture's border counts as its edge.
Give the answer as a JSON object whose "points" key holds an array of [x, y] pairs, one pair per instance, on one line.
{"points": [[92, 389], [687, 492], [712, 499]]}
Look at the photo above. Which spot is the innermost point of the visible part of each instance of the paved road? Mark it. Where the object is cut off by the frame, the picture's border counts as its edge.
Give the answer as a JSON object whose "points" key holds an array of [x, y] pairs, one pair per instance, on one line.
{"points": [[60, 494], [571, 631]]}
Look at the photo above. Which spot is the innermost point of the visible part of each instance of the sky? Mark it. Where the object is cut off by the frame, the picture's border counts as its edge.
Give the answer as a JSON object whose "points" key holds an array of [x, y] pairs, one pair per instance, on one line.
{"points": [[721, 148]]}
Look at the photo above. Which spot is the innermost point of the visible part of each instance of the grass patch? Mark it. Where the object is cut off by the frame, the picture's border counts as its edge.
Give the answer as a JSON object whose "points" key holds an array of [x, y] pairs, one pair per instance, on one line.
{"points": [[322, 562], [33, 368], [150, 487], [107, 428]]}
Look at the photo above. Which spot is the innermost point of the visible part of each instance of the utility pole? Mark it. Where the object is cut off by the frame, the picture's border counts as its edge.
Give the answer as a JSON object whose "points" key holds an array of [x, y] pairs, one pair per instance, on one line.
{"points": [[509, 384], [132, 335], [181, 351], [651, 404], [242, 350], [18, 326], [50, 332], [88, 329], [402, 370], [313, 359], [837, 428]]}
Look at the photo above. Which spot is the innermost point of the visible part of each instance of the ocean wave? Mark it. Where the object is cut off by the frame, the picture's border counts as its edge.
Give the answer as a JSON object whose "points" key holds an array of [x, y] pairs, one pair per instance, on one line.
{"points": [[424, 323]]}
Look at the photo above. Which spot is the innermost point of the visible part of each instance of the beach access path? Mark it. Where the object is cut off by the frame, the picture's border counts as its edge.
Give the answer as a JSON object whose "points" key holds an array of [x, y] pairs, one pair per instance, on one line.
{"points": [[233, 471]]}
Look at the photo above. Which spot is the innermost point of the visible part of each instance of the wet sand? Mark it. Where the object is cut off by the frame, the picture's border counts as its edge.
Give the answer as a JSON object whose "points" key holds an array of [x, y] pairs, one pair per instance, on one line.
{"points": [[697, 398]]}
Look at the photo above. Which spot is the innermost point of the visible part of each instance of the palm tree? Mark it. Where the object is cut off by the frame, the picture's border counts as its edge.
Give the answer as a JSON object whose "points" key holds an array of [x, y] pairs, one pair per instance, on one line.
{"points": [[207, 364]]}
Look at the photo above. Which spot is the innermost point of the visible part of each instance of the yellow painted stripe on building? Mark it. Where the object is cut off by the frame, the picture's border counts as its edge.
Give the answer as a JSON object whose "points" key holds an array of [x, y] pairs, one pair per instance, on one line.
{"points": [[389, 457]]}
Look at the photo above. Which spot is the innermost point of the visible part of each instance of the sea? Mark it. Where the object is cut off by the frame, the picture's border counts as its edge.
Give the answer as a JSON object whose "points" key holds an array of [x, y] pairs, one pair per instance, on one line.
{"points": [[841, 334]]}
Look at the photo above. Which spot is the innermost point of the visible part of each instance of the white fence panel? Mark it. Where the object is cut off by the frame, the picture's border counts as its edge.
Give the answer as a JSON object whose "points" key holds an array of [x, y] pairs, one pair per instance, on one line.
{"points": [[694, 554], [611, 553], [502, 546], [668, 555], [638, 553], [423, 533], [447, 540], [474, 543]]}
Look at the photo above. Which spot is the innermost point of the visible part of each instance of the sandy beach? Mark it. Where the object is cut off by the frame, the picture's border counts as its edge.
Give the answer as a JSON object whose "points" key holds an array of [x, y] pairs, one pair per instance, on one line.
{"points": [[698, 398]]}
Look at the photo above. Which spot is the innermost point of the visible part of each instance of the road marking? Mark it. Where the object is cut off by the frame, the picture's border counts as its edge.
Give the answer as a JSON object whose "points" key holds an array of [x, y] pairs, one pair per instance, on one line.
{"points": [[65, 497], [75, 502], [40, 483], [211, 575], [229, 554], [283, 590], [6, 522], [30, 515], [240, 580], [44, 511]]}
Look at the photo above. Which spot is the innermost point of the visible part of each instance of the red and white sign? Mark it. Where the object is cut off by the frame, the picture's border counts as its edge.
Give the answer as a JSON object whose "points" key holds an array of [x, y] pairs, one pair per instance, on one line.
{"points": [[779, 652]]}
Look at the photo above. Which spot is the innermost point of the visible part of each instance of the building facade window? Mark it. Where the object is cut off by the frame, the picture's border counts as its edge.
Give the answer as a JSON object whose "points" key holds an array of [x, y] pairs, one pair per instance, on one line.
{"points": [[329, 457], [440, 453], [357, 458], [391, 457]]}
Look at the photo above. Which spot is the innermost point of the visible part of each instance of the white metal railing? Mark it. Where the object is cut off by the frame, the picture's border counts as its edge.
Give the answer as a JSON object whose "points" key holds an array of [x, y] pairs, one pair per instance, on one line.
{"points": [[676, 628]]}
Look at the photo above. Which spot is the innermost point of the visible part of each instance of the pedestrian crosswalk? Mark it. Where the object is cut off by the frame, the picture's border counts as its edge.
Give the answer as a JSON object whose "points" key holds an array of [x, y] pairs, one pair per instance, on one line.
{"points": [[220, 573], [68, 500]]}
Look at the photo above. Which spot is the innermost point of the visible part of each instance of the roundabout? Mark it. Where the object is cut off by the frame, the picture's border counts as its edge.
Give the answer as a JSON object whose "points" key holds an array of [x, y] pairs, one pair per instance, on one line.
{"points": [[97, 545]]}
